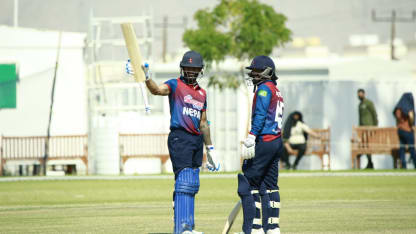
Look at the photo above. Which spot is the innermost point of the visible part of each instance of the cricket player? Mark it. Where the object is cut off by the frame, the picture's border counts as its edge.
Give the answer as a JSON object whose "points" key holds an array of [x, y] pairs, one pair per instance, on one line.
{"points": [[189, 129], [261, 152]]}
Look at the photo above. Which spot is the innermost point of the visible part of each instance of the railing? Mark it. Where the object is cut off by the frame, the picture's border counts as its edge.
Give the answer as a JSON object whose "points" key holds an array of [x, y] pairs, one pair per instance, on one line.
{"points": [[143, 145], [33, 148]]}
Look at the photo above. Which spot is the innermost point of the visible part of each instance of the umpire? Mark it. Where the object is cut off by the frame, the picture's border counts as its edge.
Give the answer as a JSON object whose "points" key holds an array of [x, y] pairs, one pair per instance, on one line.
{"points": [[367, 117]]}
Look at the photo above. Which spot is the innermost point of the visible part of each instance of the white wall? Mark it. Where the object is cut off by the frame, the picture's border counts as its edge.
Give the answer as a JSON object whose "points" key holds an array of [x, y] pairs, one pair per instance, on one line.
{"points": [[35, 53]]}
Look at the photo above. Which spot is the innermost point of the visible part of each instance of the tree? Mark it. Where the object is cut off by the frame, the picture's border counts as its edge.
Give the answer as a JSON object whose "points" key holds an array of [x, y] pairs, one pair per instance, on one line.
{"points": [[241, 29]]}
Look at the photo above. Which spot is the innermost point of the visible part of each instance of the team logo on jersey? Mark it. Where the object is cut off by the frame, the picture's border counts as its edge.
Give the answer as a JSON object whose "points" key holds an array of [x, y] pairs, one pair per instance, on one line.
{"points": [[195, 104], [191, 112], [263, 93]]}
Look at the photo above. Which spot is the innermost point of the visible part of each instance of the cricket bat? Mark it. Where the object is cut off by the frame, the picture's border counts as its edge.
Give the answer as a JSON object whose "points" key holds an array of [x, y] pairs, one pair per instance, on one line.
{"points": [[136, 59], [232, 217]]}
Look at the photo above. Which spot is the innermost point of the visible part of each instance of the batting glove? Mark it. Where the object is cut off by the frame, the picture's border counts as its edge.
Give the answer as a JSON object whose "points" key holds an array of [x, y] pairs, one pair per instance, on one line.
{"points": [[250, 141], [213, 163], [248, 152], [129, 68], [145, 68]]}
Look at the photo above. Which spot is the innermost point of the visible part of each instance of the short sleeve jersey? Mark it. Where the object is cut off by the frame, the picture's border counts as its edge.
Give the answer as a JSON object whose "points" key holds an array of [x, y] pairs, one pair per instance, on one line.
{"points": [[186, 105]]}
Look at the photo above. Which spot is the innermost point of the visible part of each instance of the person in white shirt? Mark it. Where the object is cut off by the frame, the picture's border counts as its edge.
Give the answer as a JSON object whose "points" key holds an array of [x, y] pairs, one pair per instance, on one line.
{"points": [[295, 136]]}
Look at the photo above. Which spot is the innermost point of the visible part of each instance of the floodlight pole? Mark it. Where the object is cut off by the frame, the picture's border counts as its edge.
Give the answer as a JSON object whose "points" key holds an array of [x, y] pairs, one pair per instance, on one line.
{"points": [[48, 133], [15, 13], [393, 19]]}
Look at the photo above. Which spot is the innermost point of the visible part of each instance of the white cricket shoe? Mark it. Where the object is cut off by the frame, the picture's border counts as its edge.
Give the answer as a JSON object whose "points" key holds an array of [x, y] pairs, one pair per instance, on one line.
{"points": [[273, 231], [257, 231], [196, 232], [253, 231]]}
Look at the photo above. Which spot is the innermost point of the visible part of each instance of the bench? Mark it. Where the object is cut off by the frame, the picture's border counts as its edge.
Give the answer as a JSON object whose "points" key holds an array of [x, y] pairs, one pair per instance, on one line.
{"points": [[374, 140], [319, 146], [33, 148], [143, 146], [150, 145]]}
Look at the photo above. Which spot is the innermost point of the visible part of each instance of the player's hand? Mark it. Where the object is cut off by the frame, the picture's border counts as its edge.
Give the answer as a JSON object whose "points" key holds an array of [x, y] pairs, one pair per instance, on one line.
{"points": [[248, 152], [129, 68], [146, 70], [213, 163], [250, 141]]}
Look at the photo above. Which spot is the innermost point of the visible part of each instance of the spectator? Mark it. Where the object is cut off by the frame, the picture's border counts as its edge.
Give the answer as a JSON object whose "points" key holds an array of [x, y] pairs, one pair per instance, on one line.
{"points": [[367, 117], [295, 134], [404, 112]]}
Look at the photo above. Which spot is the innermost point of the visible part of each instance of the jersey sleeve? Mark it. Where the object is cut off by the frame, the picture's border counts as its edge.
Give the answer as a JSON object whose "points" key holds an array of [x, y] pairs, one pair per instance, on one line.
{"points": [[172, 84], [263, 97]]}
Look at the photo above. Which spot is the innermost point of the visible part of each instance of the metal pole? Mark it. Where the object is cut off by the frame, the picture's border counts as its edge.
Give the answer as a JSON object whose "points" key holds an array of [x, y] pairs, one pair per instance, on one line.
{"points": [[16, 13], [165, 38], [392, 34], [393, 19], [45, 159]]}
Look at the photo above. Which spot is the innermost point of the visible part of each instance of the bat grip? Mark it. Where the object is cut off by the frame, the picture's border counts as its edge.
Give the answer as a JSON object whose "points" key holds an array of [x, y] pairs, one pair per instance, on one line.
{"points": [[145, 100]]}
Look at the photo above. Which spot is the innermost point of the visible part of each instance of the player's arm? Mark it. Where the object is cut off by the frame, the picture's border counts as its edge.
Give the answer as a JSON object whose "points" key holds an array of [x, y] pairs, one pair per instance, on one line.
{"points": [[263, 96], [206, 132], [260, 111], [213, 163], [160, 90]]}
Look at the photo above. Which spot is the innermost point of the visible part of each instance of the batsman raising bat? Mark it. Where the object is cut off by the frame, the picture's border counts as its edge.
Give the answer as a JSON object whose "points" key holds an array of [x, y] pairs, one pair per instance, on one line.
{"points": [[189, 129], [261, 152]]}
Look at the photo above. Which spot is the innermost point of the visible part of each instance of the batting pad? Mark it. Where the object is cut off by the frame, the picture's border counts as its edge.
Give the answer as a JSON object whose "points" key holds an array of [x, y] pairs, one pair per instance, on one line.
{"points": [[186, 186]]}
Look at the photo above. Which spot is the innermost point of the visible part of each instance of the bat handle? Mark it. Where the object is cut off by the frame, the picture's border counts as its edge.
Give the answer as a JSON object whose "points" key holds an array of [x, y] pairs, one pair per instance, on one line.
{"points": [[145, 100]]}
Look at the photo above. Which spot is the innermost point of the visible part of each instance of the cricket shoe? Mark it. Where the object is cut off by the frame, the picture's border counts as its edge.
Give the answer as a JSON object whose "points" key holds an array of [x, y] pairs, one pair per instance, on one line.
{"points": [[253, 231], [257, 231], [273, 231], [192, 232]]}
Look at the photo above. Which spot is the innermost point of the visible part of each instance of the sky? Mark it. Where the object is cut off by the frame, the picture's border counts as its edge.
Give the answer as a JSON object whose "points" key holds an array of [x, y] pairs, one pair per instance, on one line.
{"points": [[333, 21]]}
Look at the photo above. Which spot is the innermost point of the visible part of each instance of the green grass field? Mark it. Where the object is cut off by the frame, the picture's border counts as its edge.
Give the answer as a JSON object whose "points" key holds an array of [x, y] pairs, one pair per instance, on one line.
{"points": [[370, 204]]}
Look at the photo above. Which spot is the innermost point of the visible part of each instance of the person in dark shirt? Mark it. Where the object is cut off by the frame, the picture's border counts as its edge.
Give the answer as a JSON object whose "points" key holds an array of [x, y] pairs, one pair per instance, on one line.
{"points": [[404, 112], [367, 117]]}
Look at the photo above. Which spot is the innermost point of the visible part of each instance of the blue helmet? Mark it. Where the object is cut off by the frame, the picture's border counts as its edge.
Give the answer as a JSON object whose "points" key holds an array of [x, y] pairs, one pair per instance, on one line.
{"points": [[189, 65], [265, 68], [192, 59]]}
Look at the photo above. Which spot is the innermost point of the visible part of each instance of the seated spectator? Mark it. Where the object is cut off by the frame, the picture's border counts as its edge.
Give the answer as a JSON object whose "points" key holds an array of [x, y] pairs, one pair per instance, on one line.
{"points": [[295, 134]]}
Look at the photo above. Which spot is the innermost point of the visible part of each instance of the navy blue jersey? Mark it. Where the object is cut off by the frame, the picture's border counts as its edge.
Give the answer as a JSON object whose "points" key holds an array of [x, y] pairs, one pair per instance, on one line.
{"points": [[186, 105], [267, 112]]}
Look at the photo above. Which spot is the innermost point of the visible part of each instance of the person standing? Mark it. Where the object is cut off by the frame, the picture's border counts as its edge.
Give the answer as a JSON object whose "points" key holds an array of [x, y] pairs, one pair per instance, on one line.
{"points": [[404, 112], [189, 129], [261, 152], [367, 116]]}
